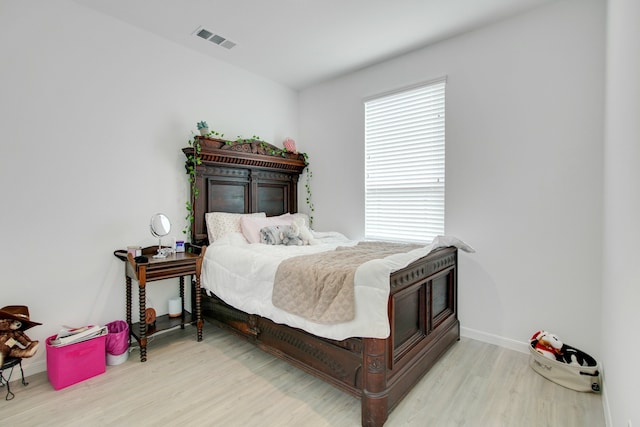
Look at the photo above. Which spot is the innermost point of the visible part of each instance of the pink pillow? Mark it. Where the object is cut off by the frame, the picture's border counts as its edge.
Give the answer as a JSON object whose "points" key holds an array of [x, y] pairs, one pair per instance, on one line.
{"points": [[251, 226]]}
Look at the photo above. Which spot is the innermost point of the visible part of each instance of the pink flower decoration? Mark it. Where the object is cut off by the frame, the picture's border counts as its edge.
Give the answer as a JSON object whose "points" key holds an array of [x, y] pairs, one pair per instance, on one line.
{"points": [[290, 145]]}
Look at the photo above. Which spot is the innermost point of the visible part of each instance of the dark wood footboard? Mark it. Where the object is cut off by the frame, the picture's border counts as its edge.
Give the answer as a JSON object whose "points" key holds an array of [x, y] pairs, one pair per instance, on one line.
{"points": [[424, 324]]}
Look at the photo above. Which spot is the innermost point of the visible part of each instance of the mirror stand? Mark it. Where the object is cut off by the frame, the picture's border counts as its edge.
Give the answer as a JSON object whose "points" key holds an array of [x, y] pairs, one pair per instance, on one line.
{"points": [[160, 253]]}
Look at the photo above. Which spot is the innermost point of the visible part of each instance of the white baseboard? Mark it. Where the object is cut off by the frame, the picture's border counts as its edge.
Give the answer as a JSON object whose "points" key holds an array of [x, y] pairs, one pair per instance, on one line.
{"points": [[30, 367], [605, 401], [520, 346]]}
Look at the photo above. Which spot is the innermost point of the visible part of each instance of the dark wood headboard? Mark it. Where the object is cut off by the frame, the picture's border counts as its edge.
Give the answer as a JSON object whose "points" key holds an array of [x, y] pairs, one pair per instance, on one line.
{"points": [[242, 177]]}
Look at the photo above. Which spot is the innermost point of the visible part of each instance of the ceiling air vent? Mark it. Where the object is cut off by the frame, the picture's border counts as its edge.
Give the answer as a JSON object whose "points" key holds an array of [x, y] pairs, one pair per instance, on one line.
{"points": [[204, 34], [228, 44], [214, 38], [217, 39]]}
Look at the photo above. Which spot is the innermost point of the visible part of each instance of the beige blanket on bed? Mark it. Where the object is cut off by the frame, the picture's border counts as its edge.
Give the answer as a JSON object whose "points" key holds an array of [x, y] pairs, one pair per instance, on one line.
{"points": [[319, 287]]}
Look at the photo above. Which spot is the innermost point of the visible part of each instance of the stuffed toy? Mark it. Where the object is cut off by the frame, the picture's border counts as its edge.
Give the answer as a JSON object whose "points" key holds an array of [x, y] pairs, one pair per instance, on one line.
{"points": [[290, 236], [271, 235], [303, 231], [14, 320], [573, 356], [547, 344]]}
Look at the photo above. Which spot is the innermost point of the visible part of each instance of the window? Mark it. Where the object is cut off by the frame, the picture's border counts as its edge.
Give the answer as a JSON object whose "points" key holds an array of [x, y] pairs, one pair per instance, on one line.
{"points": [[404, 164]]}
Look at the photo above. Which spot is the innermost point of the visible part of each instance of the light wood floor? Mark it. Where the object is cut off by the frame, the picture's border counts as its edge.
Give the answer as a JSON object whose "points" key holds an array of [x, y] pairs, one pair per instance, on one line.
{"points": [[224, 381]]}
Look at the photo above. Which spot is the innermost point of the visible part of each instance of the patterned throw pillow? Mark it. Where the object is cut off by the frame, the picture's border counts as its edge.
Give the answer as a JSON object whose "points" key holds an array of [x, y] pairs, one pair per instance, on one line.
{"points": [[221, 223]]}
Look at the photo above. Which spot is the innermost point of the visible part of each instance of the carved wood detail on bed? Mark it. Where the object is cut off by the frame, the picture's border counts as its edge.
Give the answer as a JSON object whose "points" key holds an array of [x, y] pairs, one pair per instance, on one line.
{"points": [[422, 306], [248, 154], [411, 274]]}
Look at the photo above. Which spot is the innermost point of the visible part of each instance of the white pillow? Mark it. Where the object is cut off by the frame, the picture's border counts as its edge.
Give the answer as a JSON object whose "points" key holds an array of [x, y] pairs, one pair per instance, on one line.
{"points": [[251, 226], [221, 223], [304, 216]]}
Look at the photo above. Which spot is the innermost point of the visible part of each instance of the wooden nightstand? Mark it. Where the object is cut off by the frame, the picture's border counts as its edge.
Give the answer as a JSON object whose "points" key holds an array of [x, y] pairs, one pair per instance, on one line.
{"points": [[174, 265]]}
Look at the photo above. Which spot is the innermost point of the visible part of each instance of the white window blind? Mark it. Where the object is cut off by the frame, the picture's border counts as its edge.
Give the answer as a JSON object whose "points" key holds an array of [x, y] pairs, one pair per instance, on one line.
{"points": [[404, 164]]}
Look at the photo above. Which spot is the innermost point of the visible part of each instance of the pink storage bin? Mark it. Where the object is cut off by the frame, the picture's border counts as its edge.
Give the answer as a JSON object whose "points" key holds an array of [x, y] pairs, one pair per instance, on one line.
{"points": [[71, 364]]}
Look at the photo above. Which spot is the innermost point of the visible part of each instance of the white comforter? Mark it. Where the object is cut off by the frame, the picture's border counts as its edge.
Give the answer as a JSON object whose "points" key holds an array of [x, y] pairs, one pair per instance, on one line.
{"points": [[242, 275]]}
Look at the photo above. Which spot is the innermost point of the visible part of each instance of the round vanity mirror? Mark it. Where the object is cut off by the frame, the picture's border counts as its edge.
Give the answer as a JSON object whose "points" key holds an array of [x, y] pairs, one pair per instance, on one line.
{"points": [[160, 227]]}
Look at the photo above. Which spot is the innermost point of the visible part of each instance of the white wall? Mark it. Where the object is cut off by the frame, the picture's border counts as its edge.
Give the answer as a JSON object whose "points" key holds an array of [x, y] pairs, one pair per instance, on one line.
{"points": [[524, 166], [93, 116], [621, 272]]}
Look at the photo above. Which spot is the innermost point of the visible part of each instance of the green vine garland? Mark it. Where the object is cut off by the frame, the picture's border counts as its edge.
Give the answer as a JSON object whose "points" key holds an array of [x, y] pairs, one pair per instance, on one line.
{"points": [[307, 187]]}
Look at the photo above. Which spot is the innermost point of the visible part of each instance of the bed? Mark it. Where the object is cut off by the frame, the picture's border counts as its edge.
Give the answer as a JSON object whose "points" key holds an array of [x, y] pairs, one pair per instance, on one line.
{"points": [[421, 307]]}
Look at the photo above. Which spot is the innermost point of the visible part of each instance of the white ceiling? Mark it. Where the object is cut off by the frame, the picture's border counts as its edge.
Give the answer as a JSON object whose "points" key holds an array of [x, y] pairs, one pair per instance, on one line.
{"points": [[301, 42]]}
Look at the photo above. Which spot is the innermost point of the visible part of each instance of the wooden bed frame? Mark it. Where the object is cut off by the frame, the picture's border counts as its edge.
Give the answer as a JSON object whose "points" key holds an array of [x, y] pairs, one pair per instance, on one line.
{"points": [[255, 177]]}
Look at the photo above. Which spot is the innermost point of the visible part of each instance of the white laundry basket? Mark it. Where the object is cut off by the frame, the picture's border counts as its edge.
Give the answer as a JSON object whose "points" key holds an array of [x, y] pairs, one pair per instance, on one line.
{"points": [[583, 376]]}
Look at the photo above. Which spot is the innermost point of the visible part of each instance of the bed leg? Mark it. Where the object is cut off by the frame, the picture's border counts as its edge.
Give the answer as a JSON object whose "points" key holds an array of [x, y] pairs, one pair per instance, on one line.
{"points": [[374, 394]]}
